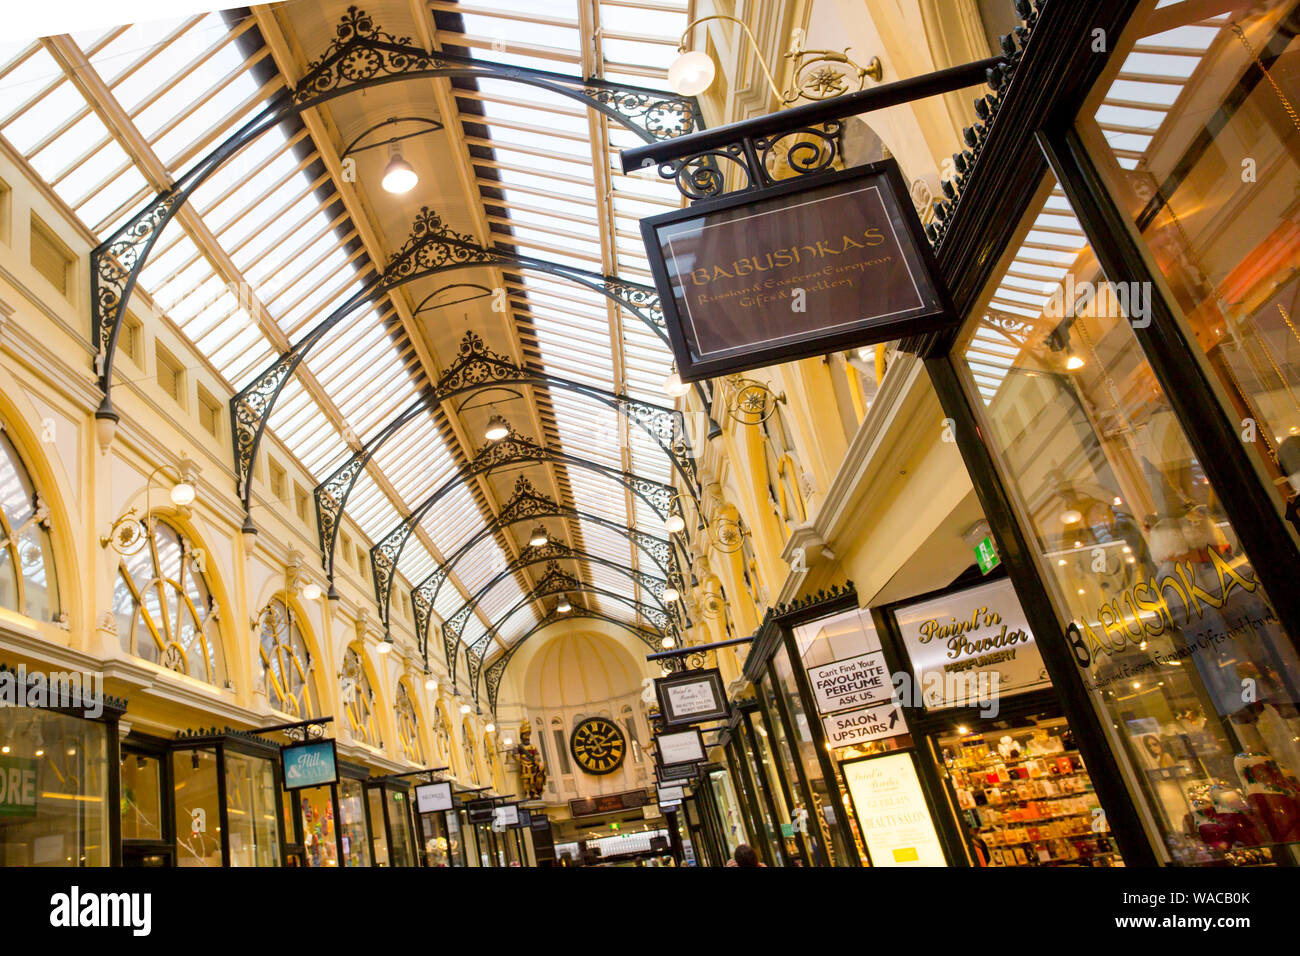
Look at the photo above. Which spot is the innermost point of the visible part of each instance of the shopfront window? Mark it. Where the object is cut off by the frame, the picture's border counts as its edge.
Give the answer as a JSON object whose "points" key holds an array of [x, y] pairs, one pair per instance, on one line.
{"points": [[375, 797], [54, 797], [769, 780], [408, 727], [824, 795], [287, 665], [1195, 131], [455, 844], [27, 580], [251, 811], [437, 848], [165, 611], [352, 822], [757, 798], [399, 822], [1181, 651], [358, 699], [142, 803], [197, 807], [318, 834], [733, 822]]}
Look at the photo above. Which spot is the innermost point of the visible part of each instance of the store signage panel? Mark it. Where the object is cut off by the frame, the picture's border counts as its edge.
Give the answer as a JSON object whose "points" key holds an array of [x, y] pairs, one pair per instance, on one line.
{"points": [[480, 811], [851, 682], [671, 794], [813, 265], [18, 787], [892, 814], [505, 816], [685, 746], [864, 725], [540, 821], [311, 764], [525, 821], [971, 646], [431, 797], [681, 771], [608, 803], [691, 697]]}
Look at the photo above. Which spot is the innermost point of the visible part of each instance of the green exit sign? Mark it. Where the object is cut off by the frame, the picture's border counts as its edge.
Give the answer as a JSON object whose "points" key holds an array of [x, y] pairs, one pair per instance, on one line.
{"points": [[987, 555]]}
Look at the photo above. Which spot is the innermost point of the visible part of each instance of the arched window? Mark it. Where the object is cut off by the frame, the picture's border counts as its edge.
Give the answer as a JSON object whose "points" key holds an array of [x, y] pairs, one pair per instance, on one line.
{"points": [[408, 727], [287, 665], [441, 736], [471, 758], [358, 699], [27, 581], [165, 612]]}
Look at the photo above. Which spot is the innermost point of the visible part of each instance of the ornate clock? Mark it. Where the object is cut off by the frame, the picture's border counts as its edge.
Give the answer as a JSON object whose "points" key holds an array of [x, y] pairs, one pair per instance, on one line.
{"points": [[598, 745]]}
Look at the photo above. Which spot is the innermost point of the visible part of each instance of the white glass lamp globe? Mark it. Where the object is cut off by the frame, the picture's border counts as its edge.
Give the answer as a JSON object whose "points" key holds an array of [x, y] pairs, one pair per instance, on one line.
{"points": [[674, 387], [182, 494], [674, 524], [691, 73]]}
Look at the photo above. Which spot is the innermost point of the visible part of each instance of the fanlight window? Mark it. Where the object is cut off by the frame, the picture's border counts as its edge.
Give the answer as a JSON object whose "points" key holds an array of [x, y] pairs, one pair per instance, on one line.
{"points": [[358, 699], [27, 581], [287, 665], [408, 727], [441, 737], [471, 758], [165, 612]]}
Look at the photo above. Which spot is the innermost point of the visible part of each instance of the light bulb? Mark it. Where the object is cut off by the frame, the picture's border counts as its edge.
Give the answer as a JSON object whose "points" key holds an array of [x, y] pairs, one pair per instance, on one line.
{"points": [[311, 592], [183, 494], [464, 709], [670, 594], [538, 538], [385, 647], [399, 176], [691, 73], [431, 683], [497, 428], [667, 642], [564, 607], [490, 729], [674, 386], [1073, 362], [674, 524], [1071, 516], [507, 742]]}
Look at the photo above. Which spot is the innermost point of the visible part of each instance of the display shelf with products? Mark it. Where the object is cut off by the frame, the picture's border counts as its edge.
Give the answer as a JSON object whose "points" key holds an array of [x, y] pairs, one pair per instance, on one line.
{"points": [[1024, 797]]}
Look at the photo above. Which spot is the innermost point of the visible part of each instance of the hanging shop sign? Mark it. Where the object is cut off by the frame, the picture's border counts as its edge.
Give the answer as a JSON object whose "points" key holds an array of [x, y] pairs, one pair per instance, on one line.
{"points": [[311, 764], [431, 797], [17, 787], [504, 816], [480, 811], [970, 647], [671, 795], [676, 772], [539, 821], [525, 819], [608, 803], [893, 817], [684, 746], [864, 725], [691, 697], [812, 265]]}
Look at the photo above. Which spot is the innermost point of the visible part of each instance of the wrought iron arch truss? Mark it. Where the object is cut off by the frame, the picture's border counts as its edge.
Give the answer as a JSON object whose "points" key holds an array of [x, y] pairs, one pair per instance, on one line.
{"points": [[477, 368], [496, 670], [360, 56], [511, 450]]}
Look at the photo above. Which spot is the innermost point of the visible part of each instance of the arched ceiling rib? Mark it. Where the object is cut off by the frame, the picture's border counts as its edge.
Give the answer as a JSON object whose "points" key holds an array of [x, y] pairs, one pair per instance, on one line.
{"points": [[280, 236]]}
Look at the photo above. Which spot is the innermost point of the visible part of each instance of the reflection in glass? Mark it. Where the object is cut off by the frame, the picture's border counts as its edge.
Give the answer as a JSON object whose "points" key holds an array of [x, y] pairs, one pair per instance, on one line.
{"points": [[1181, 650], [196, 807]]}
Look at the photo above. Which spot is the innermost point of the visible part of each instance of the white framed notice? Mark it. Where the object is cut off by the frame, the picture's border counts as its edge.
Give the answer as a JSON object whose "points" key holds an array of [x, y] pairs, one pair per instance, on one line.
{"points": [[970, 646], [864, 725], [506, 816], [431, 797], [691, 697], [892, 814], [671, 794], [684, 746]]}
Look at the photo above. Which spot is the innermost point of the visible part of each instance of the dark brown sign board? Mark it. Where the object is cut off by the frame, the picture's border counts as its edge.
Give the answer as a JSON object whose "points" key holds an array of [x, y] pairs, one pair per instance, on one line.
{"points": [[608, 803], [691, 697], [812, 265]]}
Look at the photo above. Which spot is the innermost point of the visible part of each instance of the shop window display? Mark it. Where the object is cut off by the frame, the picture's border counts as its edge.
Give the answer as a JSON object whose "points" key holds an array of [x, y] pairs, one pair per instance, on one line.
{"points": [[1180, 649], [379, 845], [352, 822], [165, 612], [318, 833], [251, 811], [1202, 157], [399, 823], [197, 807], [55, 802], [1025, 797], [141, 797], [28, 583]]}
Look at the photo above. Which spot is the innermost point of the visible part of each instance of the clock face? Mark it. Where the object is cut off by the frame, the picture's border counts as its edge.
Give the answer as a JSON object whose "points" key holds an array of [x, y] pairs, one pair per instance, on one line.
{"points": [[598, 745]]}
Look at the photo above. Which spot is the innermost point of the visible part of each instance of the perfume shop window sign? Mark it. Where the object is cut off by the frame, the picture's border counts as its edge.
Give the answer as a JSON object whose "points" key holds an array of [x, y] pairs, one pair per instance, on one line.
{"points": [[814, 264], [971, 647]]}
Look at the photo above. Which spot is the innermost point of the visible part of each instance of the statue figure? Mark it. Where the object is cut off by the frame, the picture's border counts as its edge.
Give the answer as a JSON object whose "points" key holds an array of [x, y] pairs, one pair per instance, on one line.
{"points": [[532, 772]]}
